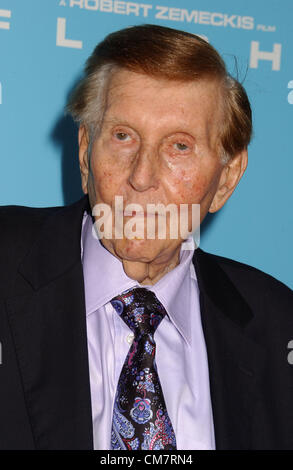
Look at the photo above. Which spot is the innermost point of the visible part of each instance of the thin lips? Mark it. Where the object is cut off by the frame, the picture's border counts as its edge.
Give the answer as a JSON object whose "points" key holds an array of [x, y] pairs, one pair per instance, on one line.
{"points": [[139, 214], [132, 213]]}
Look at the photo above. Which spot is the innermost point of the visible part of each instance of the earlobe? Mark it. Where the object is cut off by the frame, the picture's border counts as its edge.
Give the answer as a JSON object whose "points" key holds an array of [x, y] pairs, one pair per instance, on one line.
{"points": [[83, 141], [229, 179]]}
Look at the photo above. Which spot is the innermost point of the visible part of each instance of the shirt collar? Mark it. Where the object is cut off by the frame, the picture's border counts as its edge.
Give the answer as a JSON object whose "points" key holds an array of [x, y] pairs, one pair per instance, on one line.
{"points": [[174, 290], [104, 278]]}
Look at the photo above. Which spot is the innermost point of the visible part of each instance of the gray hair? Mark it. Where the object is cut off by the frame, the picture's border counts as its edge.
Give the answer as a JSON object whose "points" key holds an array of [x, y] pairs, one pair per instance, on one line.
{"points": [[93, 89], [167, 53]]}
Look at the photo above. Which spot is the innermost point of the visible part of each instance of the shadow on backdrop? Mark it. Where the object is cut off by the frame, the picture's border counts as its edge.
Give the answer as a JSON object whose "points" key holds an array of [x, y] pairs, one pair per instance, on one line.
{"points": [[207, 223], [65, 137]]}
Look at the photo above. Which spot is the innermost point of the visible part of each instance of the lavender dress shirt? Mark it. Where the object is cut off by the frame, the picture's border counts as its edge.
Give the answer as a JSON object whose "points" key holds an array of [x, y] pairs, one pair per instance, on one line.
{"points": [[180, 354]]}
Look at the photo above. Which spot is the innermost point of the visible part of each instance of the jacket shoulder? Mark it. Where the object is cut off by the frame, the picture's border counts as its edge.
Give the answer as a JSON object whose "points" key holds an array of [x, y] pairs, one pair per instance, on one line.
{"points": [[258, 287], [21, 222], [20, 226], [249, 273], [26, 211]]}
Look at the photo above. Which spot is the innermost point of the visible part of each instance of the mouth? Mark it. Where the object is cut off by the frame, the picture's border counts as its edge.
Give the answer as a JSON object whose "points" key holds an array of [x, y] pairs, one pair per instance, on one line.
{"points": [[130, 213]]}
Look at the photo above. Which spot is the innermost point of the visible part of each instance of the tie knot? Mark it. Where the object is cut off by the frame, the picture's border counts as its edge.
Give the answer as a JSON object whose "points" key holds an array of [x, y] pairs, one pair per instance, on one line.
{"points": [[140, 309]]}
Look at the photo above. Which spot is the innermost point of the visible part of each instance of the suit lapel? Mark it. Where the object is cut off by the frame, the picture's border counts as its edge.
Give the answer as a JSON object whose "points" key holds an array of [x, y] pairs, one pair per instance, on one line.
{"points": [[235, 360], [48, 322]]}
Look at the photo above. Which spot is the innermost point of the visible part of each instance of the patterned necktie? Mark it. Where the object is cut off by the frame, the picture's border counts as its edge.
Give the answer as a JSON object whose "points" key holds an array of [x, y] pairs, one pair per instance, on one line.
{"points": [[140, 418]]}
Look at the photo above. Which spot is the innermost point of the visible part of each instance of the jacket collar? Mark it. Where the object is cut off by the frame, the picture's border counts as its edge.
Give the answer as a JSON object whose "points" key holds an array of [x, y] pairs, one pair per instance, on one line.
{"points": [[215, 284], [236, 361], [48, 327]]}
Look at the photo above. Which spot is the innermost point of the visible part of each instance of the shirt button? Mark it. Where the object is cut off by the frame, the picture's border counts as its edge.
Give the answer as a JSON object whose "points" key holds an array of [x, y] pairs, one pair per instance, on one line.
{"points": [[129, 338]]}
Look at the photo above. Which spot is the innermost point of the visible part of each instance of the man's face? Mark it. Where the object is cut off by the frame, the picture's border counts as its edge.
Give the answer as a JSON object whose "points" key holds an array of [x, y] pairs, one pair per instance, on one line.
{"points": [[158, 144]]}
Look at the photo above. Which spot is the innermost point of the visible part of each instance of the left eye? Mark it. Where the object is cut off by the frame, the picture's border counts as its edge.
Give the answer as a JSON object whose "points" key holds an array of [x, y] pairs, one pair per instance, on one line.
{"points": [[181, 146]]}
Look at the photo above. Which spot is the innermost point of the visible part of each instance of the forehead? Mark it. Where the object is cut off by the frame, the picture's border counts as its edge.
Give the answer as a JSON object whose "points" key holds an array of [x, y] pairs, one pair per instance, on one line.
{"points": [[143, 98]]}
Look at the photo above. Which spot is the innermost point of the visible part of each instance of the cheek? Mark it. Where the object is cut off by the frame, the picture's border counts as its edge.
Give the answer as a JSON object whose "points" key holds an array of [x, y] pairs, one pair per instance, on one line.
{"points": [[199, 186], [103, 177], [189, 187], [108, 181], [108, 169]]}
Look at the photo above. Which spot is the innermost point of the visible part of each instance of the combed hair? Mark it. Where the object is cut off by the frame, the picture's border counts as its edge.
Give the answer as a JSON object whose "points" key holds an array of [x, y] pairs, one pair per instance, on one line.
{"points": [[162, 53]]}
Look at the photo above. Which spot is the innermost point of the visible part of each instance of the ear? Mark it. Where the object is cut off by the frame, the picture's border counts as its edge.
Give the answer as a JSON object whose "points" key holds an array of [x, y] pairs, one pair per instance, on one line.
{"points": [[230, 177], [83, 142]]}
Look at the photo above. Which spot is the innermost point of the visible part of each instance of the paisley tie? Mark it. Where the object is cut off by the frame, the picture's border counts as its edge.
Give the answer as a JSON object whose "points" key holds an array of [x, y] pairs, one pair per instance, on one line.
{"points": [[140, 418]]}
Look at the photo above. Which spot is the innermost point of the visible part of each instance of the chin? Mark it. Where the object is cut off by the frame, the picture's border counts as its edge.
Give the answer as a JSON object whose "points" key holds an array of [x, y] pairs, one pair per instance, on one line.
{"points": [[138, 250]]}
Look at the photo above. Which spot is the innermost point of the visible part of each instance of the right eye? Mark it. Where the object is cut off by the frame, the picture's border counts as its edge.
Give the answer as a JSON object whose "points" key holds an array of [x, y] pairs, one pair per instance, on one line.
{"points": [[122, 136]]}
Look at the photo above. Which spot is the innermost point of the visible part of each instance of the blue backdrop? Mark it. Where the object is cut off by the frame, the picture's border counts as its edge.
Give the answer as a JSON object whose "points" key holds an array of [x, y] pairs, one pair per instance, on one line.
{"points": [[44, 44]]}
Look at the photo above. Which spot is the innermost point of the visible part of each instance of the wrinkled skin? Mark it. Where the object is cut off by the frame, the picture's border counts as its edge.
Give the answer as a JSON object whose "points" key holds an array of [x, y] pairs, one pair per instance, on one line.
{"points": [[158, 144]]}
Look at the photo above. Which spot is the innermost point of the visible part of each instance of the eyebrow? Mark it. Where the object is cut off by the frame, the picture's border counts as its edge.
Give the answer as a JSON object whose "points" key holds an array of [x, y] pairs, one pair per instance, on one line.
{"points": [[123, 122], [115, 121]]}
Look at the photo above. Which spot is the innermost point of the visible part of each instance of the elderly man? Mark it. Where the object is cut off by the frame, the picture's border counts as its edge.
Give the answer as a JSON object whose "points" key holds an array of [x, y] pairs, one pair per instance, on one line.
{"points": [[133, 342]]}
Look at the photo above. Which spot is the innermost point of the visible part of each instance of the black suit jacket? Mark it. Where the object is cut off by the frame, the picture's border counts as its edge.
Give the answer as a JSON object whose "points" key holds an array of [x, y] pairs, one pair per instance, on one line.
{"points": [[247, 319]]}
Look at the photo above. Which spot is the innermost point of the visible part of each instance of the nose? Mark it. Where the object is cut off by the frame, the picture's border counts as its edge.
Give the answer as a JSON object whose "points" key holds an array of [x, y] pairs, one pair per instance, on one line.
{"points": [[144, 171]]}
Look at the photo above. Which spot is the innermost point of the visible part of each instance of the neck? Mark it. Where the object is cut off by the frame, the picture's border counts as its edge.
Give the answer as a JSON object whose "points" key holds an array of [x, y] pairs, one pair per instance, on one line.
{"points": [[148, 273]]}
